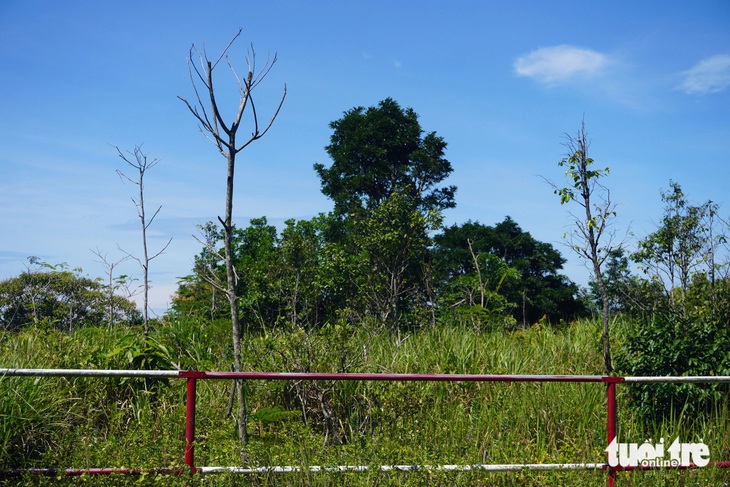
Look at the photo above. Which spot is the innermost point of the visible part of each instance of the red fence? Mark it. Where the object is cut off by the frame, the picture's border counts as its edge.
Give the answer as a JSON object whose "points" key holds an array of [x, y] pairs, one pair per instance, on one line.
{"points": [[193, 376]]}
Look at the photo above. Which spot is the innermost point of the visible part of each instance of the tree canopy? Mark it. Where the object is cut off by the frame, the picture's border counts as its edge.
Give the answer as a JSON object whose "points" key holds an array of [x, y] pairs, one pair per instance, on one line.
{"points": [[379, 150], [53, 296], [540, 290]]}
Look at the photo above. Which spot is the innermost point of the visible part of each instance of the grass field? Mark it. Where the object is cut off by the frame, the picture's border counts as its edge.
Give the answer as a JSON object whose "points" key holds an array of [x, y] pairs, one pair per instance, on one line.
{"points": [[93, 422]]}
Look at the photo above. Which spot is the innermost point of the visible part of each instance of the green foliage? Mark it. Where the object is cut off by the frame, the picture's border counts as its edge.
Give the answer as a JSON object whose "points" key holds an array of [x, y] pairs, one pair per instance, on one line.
{"points": [[55, 297], [47, 419], [303, 275], [388, 247], [334, 347], [200, 295], [384, 181], [628, 294], [32, 415], [476, 297], [534, 290], [380, 150], [282, 278], [681, 246], [255, 256], [370, 255], [88, 423], [579, 171], [676, 344], [589, 236], [141, 353]]}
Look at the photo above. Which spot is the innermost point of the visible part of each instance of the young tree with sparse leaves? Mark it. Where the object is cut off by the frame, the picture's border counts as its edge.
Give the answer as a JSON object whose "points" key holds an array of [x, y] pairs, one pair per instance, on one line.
{"points": [[590, 237]]}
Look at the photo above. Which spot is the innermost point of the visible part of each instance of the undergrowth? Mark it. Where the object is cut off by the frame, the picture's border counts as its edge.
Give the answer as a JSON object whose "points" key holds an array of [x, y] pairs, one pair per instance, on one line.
{"points": [[97, 422]]}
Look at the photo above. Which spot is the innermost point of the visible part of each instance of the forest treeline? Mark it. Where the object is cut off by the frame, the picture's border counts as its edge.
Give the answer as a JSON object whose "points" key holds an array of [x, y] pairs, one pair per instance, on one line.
{"points": [[382, 258]]}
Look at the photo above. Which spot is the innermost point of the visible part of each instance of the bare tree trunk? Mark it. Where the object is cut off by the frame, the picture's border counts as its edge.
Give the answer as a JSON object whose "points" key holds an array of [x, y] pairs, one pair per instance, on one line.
{"points": [[213, 126], [593, 234], [111, 288], [141, 164], [604, 316], [232, 282]]}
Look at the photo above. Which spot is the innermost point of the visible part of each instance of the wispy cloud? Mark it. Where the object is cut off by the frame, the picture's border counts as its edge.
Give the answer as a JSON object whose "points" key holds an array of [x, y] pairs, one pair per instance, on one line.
{"points": [[561, 63], [710, 75]]}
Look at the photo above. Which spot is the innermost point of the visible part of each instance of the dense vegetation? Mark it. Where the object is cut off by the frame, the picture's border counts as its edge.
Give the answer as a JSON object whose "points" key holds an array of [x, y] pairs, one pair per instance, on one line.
{"points": [[107, 422], [378, 284]]}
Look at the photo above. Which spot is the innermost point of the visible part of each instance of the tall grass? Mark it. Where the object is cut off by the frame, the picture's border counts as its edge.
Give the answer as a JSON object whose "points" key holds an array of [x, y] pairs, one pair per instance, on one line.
{"points": [[103, 422]]}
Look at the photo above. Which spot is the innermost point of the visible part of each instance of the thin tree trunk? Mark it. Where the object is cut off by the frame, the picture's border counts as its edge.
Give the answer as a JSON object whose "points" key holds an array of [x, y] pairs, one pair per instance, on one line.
{"points": [[233, 297], [145, 260]]}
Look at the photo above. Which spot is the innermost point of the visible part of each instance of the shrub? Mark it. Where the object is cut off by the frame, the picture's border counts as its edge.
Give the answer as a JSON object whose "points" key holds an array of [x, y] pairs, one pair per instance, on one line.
{"points": [[675, 344]]}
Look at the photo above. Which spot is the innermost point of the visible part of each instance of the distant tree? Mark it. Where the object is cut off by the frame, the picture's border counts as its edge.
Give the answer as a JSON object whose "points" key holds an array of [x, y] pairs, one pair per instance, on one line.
{"points": [[114, 284], [138, 160], [256, 249], [284, 279], [477, 296], [618, 281], [390, 244], [590, 238], [198, 294], [681, 246], [302, 263], [539, 289], [53, 296], [225, 137], [686, 330]]}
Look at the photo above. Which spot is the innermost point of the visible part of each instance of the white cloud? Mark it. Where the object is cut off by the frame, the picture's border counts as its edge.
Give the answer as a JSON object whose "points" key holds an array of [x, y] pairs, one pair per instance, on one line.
{"points": [[560, 63], [710, 75]]}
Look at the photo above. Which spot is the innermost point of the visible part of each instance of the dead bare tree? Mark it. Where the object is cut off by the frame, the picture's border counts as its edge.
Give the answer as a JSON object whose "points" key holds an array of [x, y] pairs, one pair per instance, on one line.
{"points": [[138, 160], [112, 287], [224, 136]]}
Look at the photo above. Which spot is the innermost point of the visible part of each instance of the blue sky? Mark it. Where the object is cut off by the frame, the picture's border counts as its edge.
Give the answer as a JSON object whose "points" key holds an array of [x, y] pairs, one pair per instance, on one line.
{"points": [[502, 82]]}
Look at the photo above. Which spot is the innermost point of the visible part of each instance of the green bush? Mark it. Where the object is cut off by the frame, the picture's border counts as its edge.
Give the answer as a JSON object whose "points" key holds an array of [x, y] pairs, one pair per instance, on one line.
{"points": [[675, 344]]}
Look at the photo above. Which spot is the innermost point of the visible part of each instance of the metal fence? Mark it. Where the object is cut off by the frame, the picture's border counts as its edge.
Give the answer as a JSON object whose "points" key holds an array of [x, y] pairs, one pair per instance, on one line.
{"points": [[192, 377]]}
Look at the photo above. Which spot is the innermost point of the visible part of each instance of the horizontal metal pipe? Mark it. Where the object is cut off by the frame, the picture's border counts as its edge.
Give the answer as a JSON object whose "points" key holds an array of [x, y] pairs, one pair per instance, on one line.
{"points": [[391, 377], [53, 472], [171, 374], [339, 468], [687, 379], [404, 468]]}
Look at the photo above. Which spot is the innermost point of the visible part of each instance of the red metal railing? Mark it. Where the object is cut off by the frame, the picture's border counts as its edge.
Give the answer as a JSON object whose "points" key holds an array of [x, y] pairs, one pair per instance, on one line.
{"points": [[193, 376]]}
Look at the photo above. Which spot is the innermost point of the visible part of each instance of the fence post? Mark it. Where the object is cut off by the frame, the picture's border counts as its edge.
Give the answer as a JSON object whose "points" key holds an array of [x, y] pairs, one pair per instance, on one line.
{"points": [[190, 425], [611, 422]]}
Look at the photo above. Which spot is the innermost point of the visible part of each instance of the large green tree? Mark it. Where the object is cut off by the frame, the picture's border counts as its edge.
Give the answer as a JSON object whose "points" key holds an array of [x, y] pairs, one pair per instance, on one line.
{"points": [[386, 183]]}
